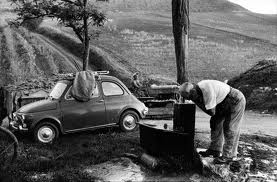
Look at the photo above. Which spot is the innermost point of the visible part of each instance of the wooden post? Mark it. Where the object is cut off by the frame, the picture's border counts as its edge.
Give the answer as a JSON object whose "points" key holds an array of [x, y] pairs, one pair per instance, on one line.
{"points": [[180, 21], [86, 38]]}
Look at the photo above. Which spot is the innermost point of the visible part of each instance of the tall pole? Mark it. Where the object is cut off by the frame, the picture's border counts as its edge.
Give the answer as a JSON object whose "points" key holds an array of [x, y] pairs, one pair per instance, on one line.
{"points": [[86, 38], [180, 21]]}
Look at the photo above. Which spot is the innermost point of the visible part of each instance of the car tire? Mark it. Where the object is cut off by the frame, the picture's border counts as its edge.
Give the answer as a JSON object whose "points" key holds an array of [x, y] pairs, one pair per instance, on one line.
{"points": [[129, 121], [46, 133]]}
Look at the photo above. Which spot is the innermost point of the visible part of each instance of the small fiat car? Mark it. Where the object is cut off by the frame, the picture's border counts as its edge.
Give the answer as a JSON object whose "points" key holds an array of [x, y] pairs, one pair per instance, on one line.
{"points": [[112, 104]]}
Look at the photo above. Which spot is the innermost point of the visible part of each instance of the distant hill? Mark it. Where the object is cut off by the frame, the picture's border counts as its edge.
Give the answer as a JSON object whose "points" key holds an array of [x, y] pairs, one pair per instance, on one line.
{"points": [[213, 5], [165, 5]]}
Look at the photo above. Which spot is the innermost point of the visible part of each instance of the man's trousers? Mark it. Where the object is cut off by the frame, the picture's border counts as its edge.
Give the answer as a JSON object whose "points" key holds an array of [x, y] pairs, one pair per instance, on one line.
{"points": [[225, 124]]}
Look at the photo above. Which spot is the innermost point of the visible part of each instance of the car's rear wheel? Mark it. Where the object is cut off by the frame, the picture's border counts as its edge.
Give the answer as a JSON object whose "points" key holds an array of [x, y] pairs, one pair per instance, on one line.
{"points": [[46, 133], [129, 121]]}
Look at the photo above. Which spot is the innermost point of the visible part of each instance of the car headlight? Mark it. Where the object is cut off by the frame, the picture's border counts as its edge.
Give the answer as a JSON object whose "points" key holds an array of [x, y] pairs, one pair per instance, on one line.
{"points": [[22, 117], [19, 118], [145, 111], [14, 116]]}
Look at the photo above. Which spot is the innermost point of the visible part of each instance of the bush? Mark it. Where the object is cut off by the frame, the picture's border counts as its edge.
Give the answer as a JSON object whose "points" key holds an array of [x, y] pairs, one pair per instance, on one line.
{"points": [[32, 24]]}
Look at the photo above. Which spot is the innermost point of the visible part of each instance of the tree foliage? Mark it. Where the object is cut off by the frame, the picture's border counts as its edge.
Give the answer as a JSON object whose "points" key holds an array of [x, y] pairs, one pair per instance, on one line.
{"points": [[76, 14]]}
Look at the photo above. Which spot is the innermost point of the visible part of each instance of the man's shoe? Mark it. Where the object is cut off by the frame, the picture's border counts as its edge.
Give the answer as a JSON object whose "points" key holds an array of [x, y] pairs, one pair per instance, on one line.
{"points": [[210, 152]]}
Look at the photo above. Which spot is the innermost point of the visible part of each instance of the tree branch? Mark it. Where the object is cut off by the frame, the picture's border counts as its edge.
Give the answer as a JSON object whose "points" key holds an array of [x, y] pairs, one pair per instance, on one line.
{"points": [[72, 2], [78, 34], [77, 31], [21, 20]]}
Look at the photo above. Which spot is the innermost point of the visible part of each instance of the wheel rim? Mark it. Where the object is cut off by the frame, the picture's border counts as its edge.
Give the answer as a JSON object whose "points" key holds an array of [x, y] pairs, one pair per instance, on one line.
{"points": [[129, 122], [46, 134]]}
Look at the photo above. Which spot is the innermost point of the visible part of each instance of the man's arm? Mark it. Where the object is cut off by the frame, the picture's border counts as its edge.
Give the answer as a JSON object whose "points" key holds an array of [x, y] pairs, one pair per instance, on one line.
{"points": [[201, 105], [211, 111]]}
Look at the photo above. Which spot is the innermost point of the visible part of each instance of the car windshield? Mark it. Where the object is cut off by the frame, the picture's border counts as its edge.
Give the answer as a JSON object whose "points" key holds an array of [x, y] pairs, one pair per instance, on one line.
{"points": [[58, 90]]}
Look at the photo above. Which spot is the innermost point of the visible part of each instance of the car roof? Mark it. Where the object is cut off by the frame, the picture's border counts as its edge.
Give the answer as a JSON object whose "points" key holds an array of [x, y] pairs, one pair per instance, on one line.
{"points": [[108, 77], [100, 77]]}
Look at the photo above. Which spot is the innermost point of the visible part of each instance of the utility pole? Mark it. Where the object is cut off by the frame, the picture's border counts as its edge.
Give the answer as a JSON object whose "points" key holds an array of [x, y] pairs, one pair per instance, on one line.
{"points": [[180, 21], [86, 38]]}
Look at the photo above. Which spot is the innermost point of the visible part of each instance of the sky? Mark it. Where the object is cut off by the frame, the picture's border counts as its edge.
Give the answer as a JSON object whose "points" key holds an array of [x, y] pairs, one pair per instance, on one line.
{"points": [[258, 6]]}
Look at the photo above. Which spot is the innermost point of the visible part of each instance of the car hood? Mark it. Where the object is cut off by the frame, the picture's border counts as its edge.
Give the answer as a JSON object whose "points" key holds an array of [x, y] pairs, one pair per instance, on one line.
{"points": [[39, 106]]}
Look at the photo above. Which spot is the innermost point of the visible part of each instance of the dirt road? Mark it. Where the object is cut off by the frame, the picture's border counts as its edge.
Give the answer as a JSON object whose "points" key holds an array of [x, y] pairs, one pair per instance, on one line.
{"points": [[254, 123]]}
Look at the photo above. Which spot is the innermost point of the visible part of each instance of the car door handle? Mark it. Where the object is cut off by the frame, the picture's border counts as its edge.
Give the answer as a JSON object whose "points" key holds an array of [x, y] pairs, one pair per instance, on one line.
{"points": [[99, 101]]}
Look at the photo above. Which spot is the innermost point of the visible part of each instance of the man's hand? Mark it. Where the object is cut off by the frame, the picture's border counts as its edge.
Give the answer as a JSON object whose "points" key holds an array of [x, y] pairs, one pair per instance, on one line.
{"points": [[201, 105]]}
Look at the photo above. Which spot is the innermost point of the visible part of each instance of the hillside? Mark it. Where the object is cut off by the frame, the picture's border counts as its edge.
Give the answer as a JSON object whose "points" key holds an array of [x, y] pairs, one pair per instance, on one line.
{"points": [[215, 52], [225, 40], [165, 5], [27, 55]]}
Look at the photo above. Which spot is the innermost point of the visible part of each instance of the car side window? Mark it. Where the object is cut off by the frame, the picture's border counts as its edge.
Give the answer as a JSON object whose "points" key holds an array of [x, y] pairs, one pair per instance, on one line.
{"points": [[110, 88], [68, 95]]}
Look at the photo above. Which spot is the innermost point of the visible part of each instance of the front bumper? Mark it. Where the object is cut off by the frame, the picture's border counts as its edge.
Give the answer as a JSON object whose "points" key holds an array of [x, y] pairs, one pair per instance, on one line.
{"points": [[12, 125], [17, 127]]}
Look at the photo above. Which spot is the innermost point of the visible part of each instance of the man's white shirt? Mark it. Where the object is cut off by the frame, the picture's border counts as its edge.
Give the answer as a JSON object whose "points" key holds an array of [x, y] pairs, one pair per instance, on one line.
{"points": [[214, 92]]}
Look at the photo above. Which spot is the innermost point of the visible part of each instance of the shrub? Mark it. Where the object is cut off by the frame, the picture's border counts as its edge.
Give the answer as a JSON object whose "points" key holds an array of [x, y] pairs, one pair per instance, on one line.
{"points": [[32, 24]]}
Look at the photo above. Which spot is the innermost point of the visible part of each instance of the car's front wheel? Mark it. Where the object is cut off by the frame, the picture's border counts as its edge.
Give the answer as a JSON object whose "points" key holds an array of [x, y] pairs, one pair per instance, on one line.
{"points": [[46, 133], [129, 121]]}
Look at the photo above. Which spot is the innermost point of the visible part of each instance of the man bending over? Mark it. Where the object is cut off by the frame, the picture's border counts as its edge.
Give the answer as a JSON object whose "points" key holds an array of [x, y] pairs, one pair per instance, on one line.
{"points": [[226, 107]]}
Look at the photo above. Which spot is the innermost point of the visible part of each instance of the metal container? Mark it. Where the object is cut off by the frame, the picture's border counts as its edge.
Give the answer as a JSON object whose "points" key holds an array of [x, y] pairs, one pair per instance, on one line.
{"points": [[184, 118], [165, 142], [160, 141]]}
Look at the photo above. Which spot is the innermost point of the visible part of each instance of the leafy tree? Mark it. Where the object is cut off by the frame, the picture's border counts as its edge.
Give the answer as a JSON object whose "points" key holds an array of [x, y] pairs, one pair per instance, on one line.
{"points": [[76, 14]]}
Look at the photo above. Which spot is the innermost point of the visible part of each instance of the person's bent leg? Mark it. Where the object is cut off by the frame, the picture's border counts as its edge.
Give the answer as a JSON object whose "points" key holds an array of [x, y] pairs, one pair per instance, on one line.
{"points": [[217, 139], [231, 128]]}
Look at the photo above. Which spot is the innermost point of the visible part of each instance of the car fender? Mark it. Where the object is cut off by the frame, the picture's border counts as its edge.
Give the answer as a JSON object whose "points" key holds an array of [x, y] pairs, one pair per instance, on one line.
{"points": [[49, 118], [128, 108]]}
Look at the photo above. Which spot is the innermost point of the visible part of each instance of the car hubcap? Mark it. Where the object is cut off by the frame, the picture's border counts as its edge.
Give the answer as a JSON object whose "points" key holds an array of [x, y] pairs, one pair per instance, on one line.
{"points": [[129, 122], [46, 134]]}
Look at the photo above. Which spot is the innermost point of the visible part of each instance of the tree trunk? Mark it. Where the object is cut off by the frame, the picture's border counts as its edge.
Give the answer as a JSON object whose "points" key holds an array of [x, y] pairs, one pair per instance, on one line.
{"points": [[180, 21], [86, 39]]}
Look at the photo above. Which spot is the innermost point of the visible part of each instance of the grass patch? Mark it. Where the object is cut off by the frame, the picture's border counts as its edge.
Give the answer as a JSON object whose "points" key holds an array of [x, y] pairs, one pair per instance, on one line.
{"points": [[143, 40], [98, 60], [71, 153], [244, 23], [154, 55], [26, 64], [47, 57]]}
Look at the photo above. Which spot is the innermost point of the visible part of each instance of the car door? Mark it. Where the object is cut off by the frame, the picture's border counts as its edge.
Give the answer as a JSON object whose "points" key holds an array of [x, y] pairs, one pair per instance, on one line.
{"points": [[115, 100], [83, 115]]}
